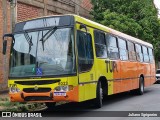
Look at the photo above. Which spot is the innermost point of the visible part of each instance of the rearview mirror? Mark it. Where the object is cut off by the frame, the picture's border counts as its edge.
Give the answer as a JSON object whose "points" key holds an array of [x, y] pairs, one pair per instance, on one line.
{"points": [[83, 26], [4, 47], [5, 42]]}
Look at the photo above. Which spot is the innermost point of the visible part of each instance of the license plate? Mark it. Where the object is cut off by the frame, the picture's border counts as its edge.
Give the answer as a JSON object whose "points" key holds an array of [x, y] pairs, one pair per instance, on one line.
{"points": [[59, 94]]}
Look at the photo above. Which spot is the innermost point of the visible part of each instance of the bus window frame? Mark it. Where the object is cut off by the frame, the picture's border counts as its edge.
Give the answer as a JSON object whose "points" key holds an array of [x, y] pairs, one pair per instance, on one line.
{"points": [[123, 39], [151, 55], [145, 54], [105, 43], [132, 60], [137, 52], [117, 46]]}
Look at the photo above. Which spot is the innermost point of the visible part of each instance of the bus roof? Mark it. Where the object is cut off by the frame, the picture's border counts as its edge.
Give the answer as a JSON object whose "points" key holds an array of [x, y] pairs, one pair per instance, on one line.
{"points": [[112, 31], [101, 27]]}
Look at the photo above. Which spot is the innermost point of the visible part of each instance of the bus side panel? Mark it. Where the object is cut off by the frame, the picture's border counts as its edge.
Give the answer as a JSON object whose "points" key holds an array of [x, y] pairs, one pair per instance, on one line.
{"points": [[81, 93], [117, 85], [125, 75], [135, 81], [140, 71], [90, 91], [147, 74], [153, 79], [132, 69], [110, 88], [74, 81], [102, 69]]}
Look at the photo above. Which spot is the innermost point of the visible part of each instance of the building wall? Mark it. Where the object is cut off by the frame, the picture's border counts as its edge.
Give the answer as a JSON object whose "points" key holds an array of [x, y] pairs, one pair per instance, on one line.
{"points": [[87, 4], [27, 9]]}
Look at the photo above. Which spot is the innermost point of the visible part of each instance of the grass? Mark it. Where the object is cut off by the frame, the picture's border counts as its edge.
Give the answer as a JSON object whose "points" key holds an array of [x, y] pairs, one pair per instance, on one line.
{"points": [[6, 105], [4, 99]]}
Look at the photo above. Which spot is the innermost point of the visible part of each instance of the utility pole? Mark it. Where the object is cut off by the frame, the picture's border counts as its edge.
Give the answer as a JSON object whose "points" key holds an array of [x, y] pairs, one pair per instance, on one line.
{"points": [[77, 7], [13, 8], [13, 5], [4, 5], [4, 9]]}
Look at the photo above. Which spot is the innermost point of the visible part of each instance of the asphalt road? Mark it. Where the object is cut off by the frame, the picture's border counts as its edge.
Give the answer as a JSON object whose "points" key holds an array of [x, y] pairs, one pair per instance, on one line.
{"points": [[114, 105]]}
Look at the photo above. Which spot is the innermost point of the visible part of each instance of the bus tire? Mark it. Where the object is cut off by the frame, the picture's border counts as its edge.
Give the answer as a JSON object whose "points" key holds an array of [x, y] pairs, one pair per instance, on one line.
{"points": [[140, 90], [99, 96], [50, 105]]}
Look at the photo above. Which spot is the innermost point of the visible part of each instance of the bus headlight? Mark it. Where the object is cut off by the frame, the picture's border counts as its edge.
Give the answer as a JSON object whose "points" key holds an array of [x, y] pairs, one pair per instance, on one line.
{"points": [[64, 88], [17, 89], [14, 89]]}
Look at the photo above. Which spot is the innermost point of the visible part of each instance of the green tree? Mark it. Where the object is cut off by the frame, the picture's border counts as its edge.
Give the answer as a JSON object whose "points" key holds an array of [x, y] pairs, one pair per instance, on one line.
{"points": [[137, 18]]}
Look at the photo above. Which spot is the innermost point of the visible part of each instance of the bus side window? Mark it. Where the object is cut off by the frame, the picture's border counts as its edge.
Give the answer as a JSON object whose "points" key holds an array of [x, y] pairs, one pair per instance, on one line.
{"points": [[139, 53], [131, 50], [123, 49], [151, 57], [100, 44], [112, 47], [145, 54], [85, 51]]}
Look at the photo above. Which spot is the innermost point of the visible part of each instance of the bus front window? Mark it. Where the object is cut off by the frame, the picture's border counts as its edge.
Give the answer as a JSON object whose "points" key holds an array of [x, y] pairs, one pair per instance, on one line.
{"points": [[42, 53]]}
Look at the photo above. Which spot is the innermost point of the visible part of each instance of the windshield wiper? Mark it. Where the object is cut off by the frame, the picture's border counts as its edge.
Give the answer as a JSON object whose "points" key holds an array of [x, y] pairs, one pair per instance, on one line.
{"points": [[47, 35], [29, 40]]}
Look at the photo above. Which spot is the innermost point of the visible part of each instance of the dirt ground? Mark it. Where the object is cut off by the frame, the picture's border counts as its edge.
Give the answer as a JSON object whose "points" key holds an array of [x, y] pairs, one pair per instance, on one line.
{"points": [[3, 95]]}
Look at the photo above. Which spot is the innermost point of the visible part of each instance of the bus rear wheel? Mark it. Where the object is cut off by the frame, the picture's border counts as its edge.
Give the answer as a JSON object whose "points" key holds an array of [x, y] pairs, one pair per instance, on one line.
{"points": [[140, 90], [99, 96]]}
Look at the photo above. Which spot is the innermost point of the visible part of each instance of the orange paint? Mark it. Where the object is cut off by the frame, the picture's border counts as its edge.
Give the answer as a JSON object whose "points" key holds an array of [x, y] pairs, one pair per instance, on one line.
{"points": [[71, 96], [127, 75]]}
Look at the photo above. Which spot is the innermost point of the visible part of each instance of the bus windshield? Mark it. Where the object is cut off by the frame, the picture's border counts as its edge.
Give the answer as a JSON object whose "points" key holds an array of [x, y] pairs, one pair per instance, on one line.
{"points": [[43, 53]]}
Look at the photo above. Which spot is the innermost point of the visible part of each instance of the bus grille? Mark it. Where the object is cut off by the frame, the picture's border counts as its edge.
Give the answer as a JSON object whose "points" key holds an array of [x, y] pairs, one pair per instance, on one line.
{"points": [[39, 90], [37, 82], [37, 98]]}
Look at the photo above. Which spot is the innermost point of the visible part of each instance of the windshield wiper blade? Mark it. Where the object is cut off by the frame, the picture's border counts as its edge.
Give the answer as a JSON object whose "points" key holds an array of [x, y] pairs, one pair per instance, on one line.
{"points": [[47, 35], [42, 41], [29, 40]]}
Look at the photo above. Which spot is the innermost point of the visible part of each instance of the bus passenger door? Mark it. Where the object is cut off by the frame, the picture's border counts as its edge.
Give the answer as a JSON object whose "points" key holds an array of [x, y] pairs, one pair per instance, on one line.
{"points": [[86, 69]]}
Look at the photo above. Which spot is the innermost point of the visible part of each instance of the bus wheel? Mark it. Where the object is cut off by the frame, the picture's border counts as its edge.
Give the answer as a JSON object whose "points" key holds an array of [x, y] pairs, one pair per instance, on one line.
{"points": [[99, 96], [140, 90], [50, 105]]}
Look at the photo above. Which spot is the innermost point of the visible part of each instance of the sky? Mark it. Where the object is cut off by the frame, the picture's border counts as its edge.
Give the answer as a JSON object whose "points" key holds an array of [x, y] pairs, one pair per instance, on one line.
{"points": [[157, 4]]}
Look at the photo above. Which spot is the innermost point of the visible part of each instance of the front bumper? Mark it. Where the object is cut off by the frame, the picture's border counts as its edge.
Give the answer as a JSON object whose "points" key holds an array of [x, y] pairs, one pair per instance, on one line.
{"points": [[71, 96]]}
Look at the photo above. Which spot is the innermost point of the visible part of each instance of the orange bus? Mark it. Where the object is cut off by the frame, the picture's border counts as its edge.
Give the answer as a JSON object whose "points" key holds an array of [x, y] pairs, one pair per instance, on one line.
{"points": [[70, 58]]}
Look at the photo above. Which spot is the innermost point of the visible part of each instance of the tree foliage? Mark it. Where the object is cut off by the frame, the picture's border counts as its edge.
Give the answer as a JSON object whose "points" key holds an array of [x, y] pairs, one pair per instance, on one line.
{"points": [[137, 18]]}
